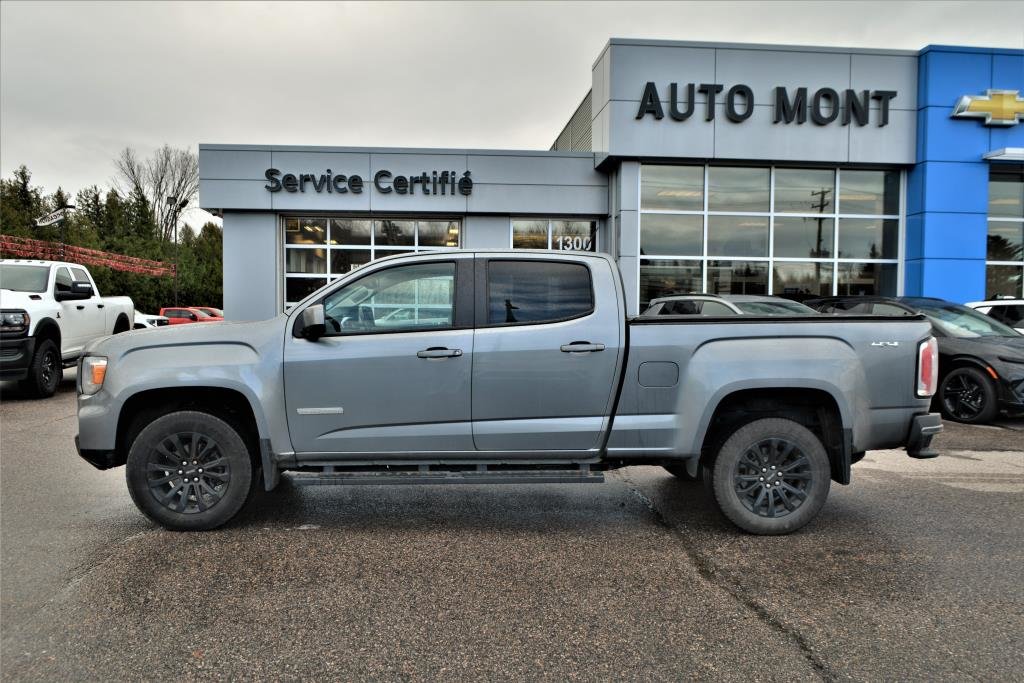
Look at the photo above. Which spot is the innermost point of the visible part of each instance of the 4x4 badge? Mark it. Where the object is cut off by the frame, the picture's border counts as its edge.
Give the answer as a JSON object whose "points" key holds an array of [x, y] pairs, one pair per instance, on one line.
{"points": [[885, 343]]}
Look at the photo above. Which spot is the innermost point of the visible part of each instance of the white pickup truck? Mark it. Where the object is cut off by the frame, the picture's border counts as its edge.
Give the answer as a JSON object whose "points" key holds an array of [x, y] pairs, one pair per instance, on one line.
{"points": [[49, 311]]}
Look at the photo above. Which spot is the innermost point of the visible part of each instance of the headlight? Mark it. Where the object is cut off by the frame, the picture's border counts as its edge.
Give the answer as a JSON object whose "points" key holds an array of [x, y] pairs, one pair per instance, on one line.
{"points": [[92, 374], [13, 322]]}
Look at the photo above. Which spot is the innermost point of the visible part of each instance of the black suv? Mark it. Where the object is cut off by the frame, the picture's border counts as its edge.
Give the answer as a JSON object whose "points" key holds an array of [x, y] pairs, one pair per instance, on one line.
{"points": [[981, 360]]}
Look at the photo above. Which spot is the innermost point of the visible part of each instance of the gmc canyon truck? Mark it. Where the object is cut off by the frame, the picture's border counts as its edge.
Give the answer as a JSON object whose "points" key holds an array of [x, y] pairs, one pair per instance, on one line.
{"points": [[49, 311], [503, 367]]}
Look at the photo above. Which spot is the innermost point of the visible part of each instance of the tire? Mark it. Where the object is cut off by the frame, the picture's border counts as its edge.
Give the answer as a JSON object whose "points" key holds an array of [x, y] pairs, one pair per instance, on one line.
{"points": [[44, 372], [687, 470], [775, 444], [967, 395], [213, 494]]}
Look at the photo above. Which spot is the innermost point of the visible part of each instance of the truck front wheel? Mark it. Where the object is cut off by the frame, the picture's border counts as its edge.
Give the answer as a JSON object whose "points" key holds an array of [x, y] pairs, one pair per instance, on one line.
{"points": [[44, 372], [771, 476], [190, 471]]}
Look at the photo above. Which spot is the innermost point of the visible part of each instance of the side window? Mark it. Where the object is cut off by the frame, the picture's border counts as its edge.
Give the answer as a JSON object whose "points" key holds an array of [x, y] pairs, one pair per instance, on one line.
{"points": [[525, 292], [80, 275], [62, 282], [715, 308], [413, 298], [859, 308], [681, 308], [1010, 315], [887, 309]]}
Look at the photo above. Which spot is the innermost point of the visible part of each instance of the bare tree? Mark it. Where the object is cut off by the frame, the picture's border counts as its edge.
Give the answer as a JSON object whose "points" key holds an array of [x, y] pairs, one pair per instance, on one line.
{"points": [[168, 173]]}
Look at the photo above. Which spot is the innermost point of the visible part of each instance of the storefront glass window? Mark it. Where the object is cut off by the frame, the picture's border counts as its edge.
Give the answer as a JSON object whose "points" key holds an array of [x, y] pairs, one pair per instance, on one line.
{"points": [[805, 190], [737, 277], [869, 192], [672, 188], [738, 189], [803, 237], [665, 234], [317, 250], [1004, 270], [560, 235], [802, 280], [769, 230], [665, 278]]}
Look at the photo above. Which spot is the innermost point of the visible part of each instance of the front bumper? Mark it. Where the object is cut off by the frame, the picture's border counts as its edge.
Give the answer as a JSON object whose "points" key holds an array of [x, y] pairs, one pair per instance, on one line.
{"points": [[922, 429], [16, 357]]}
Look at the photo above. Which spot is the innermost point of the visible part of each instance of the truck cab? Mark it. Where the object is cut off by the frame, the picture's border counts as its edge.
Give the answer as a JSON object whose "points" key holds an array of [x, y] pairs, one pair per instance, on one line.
{"points": [[51, 310]]}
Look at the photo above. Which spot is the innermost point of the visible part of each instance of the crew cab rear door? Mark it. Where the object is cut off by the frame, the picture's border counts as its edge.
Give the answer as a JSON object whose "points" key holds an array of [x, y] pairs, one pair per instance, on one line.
{"points": [[546, 352]]}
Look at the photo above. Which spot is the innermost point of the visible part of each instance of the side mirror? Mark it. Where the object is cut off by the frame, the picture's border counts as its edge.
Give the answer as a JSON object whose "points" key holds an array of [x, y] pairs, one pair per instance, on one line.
{"points": [[193, 316], [313, 326], [79, 290]]}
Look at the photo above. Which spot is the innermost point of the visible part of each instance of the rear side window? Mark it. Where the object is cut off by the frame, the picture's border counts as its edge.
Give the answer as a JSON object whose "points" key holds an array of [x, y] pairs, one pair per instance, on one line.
{"points": [[714, 308], [680, 308], [1011, 315], [530, 292]]}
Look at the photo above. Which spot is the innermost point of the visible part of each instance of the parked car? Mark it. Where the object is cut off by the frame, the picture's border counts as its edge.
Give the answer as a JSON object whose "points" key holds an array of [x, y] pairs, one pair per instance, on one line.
{"points": [[50, 311], [725, 304], [1007, 311], [981, 360], [144, 321], [183, 315], [212, 312], [533, 375]]}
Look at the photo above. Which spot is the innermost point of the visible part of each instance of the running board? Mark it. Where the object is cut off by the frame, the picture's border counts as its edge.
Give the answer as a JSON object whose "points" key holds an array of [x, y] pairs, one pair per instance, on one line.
{"points": [[483, 474]]}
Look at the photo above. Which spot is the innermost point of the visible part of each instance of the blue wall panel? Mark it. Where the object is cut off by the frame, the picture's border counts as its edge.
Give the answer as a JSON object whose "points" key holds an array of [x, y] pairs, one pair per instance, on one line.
{"points": [[947, 191]]}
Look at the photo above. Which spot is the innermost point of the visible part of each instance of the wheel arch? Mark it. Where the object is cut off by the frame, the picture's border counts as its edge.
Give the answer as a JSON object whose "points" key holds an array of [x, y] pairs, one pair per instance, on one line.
{"points": [[813, 407], [231, 405], [122, 319], [47, 328]]}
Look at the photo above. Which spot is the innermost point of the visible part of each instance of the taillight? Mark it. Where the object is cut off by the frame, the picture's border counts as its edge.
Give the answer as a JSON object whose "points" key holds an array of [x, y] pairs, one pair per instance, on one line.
{"points": [[927, 367]]}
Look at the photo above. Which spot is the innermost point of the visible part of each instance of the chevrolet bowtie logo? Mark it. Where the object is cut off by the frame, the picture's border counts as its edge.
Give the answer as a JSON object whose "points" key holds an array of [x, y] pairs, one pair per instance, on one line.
{"points": [[997, 108]]}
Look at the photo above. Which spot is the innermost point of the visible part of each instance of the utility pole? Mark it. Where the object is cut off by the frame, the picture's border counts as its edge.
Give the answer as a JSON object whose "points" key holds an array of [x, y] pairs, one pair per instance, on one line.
{"points": [[820, 206], [176, 208]]}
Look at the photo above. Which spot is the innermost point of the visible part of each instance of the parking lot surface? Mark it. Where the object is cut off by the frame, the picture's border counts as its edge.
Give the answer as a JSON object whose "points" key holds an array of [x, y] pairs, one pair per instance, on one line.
{"points": [[912, 572]]}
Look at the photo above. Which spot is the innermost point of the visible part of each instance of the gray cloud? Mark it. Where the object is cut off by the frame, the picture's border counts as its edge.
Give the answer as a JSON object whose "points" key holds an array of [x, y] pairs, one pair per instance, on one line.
{"points": [[80, 81]]}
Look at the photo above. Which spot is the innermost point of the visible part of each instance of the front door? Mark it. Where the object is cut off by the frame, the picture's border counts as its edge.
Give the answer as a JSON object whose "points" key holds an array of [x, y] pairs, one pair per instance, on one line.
{"points": [[391, 376], [546, 353]]}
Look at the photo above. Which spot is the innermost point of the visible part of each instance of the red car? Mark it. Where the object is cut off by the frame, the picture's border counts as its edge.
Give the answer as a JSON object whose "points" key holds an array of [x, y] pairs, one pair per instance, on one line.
{"points": [[182, 315]]}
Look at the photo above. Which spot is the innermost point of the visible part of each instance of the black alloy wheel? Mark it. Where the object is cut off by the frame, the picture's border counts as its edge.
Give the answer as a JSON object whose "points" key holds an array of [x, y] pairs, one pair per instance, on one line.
{"points": [[45, 371], [48, 367], [772, 477], [968, 396], [187, 472], [191, 470]]}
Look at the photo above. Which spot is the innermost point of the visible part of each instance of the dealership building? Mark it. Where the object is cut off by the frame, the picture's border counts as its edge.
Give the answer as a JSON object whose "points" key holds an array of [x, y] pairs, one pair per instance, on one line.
{"points": [[717, 167]]}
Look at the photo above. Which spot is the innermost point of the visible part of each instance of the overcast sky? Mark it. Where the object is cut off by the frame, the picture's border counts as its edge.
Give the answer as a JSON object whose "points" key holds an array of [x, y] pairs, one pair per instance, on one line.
{"points": [[80, 81]]}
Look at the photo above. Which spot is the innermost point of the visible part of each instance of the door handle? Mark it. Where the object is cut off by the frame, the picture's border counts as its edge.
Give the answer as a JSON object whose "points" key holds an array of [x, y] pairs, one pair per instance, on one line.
{"points": [[80, 307], [439, 352], [99, 305], [582, 347]]}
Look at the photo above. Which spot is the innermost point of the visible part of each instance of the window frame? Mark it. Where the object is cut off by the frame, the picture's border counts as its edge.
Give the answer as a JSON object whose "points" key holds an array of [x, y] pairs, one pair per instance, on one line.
{"points": [[483, 290], [836, 214], [462, 306], [551, 220], [329, 275]]}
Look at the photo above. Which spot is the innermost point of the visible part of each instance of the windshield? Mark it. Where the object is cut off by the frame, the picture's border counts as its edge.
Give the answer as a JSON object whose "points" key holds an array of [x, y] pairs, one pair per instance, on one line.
{"points": [[960, 321], [21, 278], [774, 308]]}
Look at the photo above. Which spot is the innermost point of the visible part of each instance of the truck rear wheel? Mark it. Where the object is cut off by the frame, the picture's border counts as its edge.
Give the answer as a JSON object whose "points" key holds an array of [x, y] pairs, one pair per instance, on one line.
{"points": [[190, 471], [771, 476], [44, 372]]}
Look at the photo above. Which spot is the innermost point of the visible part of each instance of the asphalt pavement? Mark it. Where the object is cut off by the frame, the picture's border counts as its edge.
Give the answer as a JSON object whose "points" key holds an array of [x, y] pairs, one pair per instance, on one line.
{"points": [[912, 572]]}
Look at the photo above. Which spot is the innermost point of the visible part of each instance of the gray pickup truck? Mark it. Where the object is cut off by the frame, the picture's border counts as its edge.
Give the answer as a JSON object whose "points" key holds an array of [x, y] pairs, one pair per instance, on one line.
{"points": [[502, 367]]}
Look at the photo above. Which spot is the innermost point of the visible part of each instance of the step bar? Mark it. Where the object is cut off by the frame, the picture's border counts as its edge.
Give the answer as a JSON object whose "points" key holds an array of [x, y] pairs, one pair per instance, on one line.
{"points": [[431, 475]]}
